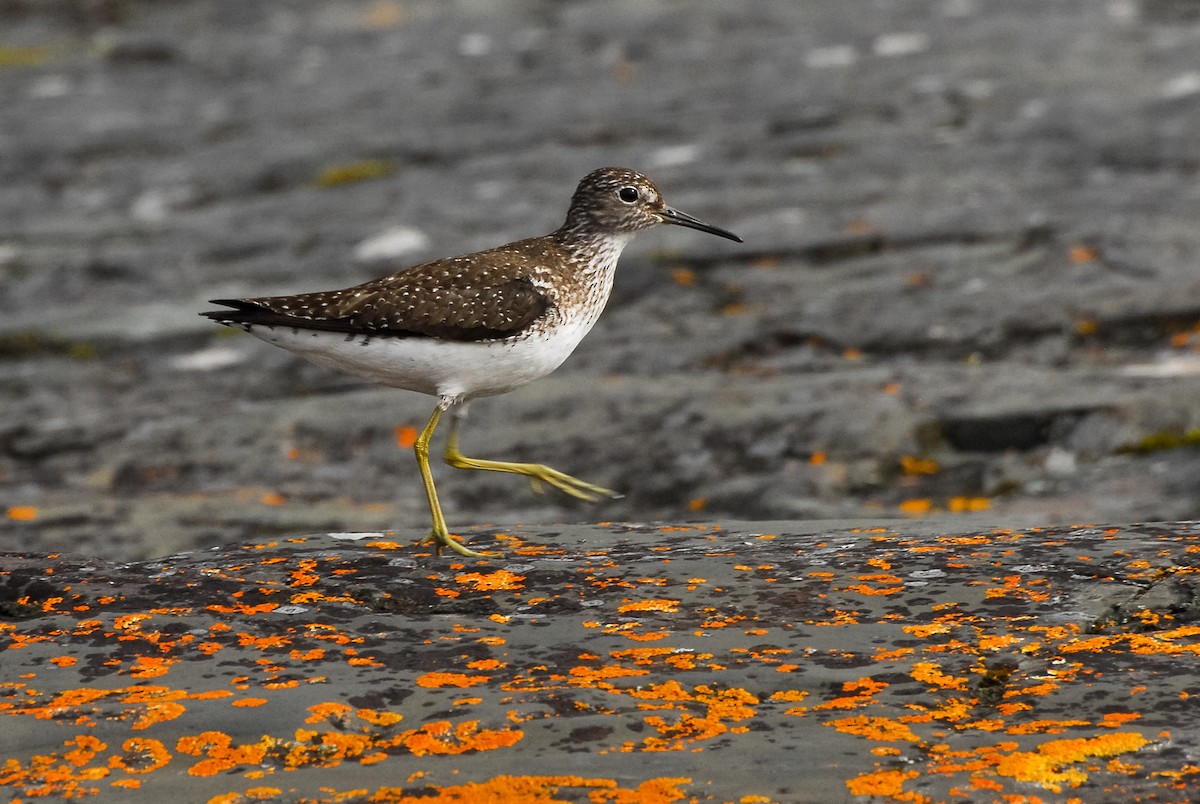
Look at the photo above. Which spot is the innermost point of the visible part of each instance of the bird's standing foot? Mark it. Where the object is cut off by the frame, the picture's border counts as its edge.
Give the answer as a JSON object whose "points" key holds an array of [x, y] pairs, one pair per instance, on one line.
{"points": [[440, 536], [444, 538]]}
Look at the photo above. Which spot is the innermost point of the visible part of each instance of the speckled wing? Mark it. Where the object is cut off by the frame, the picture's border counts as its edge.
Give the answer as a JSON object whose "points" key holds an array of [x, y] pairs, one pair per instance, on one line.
{"points": [[456, 299]]}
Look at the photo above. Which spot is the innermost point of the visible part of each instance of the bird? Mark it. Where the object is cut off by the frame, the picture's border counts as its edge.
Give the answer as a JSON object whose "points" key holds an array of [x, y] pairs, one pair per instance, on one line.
{"points": [[476, 325]]}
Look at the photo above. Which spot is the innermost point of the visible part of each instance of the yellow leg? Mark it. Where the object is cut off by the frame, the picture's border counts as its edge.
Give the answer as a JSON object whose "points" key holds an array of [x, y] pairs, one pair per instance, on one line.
{"points": [[536, 472], [440, 536]]}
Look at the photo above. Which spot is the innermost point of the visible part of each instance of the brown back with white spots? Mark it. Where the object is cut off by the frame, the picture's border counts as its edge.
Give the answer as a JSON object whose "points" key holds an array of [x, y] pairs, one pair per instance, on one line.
{"points": [[527, 285]]}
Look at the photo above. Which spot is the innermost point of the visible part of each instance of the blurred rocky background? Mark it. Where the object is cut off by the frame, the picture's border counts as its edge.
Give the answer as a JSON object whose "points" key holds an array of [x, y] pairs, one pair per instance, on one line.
{"points": [[969, 286]]}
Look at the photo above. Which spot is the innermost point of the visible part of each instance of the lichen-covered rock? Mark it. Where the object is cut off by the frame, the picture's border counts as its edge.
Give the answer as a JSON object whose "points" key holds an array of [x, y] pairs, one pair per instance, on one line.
{"points": [[774, 662]]}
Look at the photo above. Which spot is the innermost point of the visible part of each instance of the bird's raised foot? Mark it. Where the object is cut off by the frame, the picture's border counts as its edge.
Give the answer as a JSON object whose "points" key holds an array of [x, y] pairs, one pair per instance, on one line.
{"points": [[580, 489], [536, 472]]}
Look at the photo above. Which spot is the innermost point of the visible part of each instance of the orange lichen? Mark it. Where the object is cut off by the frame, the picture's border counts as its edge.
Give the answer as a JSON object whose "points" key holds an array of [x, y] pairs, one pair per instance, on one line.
{"points": [[491, 581], [1161, 642], [877, 584], [912, 465], [86, 747], [881, 729], [140, 755], [433, 680], [21, 513], [931, 673], [547, 789], [916, 506], [363, 661], [443, 737], [683, 276], [242, 609], [720, 706], [304, 574], [158, 712], [1016, 586], [953, 710], [889, 783], [1046, 764], [57, 774], [263, 643], [313, 655], [151, 666], [385, 544], [1112, 720], [406, 436], [891, 654], [587, 676], [327, 711], [859, 692], [961, 505], [248, 703], [379, 718], [1045, 726], [662, 604], [130, 623], [1080, 254]]}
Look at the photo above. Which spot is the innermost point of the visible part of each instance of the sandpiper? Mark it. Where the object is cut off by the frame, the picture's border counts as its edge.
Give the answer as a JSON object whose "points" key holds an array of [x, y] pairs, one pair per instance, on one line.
{"points": [[477, 325]]}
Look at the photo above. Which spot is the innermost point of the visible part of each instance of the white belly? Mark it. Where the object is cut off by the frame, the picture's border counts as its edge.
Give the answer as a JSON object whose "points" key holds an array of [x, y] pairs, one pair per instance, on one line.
{"points": [[430, 366]]}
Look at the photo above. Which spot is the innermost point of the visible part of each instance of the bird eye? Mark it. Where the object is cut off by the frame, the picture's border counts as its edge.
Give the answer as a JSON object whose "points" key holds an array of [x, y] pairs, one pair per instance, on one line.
{"points": [[628, 194]]}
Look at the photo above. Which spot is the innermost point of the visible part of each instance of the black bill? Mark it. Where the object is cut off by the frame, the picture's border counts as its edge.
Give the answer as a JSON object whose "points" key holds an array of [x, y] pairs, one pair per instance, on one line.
{"points": [[683, 219]]}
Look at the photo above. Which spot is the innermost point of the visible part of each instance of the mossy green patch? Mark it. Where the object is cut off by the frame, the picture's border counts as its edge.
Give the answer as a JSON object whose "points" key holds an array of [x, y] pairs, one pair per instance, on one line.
{"points": [[1157, 442], [365, 170], [28, 343], [29, 56]]}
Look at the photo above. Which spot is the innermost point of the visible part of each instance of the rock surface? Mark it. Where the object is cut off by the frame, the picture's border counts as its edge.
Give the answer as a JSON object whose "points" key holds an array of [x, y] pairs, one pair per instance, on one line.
{"points": [[969, 280], [762, 662]]}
